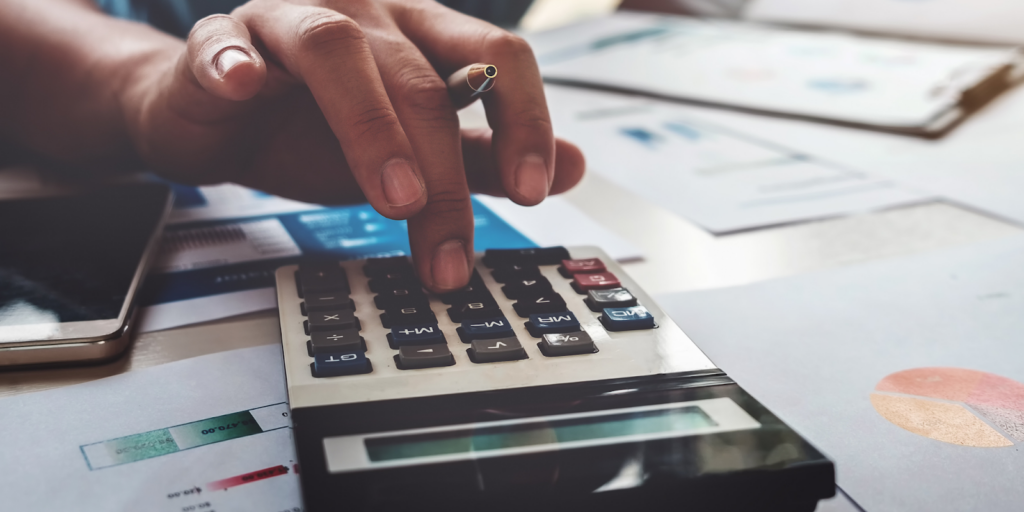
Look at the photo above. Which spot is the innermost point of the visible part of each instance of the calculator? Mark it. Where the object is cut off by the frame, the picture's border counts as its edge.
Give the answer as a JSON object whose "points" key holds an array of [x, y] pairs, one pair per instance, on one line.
{"points": [[551, 382]]}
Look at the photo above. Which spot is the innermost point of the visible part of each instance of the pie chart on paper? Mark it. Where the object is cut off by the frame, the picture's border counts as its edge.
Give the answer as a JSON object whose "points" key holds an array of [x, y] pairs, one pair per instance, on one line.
{"points": [[954, 405]]}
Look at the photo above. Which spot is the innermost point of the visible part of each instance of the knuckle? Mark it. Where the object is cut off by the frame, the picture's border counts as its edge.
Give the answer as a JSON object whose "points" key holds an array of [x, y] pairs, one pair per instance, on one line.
{"points": [[375, 120], [506, 43], [325, 30]]}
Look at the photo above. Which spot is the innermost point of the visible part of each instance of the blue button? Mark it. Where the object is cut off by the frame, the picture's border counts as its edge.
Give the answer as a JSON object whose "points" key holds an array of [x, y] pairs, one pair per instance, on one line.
{"points": [[341, 363], [489, 329], [627, 319], [550, 323], [420, 334]]}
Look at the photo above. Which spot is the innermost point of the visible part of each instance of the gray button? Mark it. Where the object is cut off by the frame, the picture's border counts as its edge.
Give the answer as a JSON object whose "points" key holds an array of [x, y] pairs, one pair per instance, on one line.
{"points": [[567, 344], [495, 350], [413, 357]]}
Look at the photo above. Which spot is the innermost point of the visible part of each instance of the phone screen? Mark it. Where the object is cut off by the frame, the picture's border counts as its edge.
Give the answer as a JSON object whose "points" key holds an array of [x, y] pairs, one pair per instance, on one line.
{"points": [[75, 258]]}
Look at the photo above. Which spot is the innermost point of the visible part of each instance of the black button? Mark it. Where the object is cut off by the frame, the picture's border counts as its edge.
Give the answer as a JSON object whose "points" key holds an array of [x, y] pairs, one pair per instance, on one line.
{"points": [[493, 351], [335, 341], [334, 320], [509, 273], [400, 298], [567, 344], [547, 303], [322, 278], [413, 357], [474, 310], [408, 316], [597, 300], [325, 301], [476, 290], [543, 256], [527, 288], [376, 267], [396, 279]]}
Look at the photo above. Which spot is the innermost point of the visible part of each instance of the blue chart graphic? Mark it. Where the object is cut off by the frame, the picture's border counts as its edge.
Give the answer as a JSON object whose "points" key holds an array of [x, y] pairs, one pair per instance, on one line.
{"points": [[344, 233]]}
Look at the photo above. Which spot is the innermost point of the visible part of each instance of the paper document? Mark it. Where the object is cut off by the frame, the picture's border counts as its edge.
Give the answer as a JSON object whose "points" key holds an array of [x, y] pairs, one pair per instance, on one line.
{"points": [[720, 179], [211, 433], [896, 85], [979, 21], [907, 372]]}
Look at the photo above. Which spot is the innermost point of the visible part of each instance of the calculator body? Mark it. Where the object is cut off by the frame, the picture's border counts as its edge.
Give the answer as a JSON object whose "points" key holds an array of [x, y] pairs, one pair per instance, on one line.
{"points": [[607, 408]]}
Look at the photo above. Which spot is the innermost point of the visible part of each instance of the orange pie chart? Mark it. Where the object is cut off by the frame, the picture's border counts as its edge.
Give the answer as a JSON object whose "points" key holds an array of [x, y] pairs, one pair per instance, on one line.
{"points": [[954, 405]]}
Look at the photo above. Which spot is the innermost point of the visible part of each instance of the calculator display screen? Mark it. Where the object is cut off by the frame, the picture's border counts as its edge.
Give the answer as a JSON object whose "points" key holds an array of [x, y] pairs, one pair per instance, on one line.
{"points": [[74, 258], [538, 433]]}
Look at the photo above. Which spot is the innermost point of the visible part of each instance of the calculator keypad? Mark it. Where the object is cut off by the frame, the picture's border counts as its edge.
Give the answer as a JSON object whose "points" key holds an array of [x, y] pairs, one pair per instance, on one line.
{"points": [[338, 348]]}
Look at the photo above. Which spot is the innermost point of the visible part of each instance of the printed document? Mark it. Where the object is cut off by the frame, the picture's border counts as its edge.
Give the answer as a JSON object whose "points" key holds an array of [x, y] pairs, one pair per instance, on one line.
{"points": [[907, 372], [208, 434]]}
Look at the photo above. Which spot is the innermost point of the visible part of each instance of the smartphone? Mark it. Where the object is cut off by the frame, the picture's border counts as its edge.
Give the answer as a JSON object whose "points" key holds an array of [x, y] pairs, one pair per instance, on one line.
{"points": [[70, 268]]}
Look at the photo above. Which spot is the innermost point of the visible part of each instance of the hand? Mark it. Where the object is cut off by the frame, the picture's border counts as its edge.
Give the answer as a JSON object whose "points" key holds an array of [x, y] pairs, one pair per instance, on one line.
{"points": [[336, 101]]}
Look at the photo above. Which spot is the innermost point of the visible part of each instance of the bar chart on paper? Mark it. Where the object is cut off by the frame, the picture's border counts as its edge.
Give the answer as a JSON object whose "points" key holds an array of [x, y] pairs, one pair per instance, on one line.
{"points": [[954, 405]]}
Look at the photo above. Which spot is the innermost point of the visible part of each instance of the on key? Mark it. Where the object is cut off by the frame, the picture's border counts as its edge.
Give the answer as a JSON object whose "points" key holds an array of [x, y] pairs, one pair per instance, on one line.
{"points": [[414, 357], [496, 327], [333, 320], [408, 316], [627, 319], [338, 364], [547, 303], [550, 323], [527, 288]]}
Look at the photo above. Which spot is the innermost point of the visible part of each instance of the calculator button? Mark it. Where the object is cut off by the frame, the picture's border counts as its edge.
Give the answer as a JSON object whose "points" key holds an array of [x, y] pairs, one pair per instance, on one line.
{"points": [[542, 256], [476, 290], [567, 344], [322, 278], [585, 282], [379, 266], [397, 279], [347, 340], [414, 357], [401, 298], [334, 320], [627, 319], [527, 288], [570, 268], [338, 364], [547, 303], [548, 323], [408, 316], [423, 334], [497, 327], [496, 350], [323, 301], [474, 310], [509, 273], [610, 298]]}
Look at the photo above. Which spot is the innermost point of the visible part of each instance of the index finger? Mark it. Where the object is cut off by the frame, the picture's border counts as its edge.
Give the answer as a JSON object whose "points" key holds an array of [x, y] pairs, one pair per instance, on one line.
{"points": [[524, 143]]}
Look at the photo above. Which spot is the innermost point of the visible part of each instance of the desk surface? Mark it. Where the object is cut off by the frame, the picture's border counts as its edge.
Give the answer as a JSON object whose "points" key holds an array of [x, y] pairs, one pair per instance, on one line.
{"points": [[678, 256]]}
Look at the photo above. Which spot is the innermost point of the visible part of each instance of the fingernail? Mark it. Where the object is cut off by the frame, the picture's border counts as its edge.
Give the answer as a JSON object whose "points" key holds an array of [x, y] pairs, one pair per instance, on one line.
{"points": [[532, 177], [401, 186], [230, 58], [449, 267]]}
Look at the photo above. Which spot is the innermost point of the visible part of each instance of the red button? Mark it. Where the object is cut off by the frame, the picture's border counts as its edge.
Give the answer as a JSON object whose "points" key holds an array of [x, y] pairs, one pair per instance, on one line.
{"points": [[588, 266], [600, 281]]}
